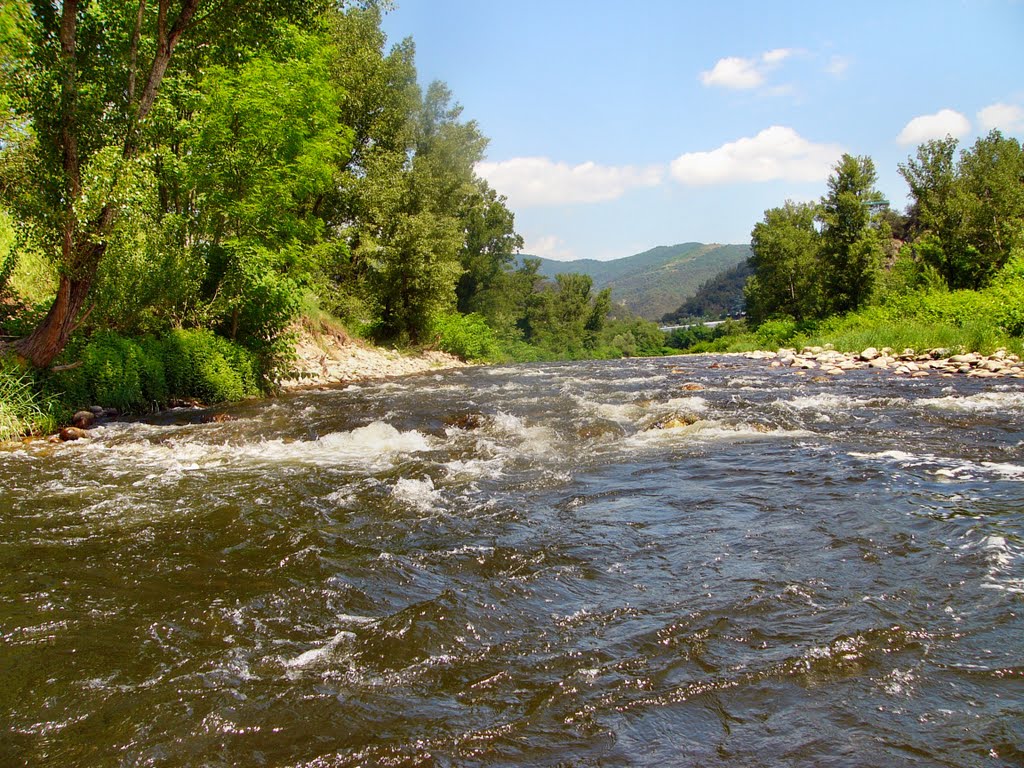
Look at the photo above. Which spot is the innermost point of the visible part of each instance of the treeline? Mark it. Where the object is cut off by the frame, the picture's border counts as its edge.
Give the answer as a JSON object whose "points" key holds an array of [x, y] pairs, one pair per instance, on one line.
{"points": [[847, 269], [225, 167]]}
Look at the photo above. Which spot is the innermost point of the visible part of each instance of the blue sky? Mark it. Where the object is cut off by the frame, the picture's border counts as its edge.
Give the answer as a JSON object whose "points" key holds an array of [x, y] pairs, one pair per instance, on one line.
{"points": [[616, 127]]}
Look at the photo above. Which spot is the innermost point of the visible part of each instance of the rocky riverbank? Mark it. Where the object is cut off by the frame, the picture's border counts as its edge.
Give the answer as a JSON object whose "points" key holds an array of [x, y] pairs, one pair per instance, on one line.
{"points": [[931, 362], [327, 359]]}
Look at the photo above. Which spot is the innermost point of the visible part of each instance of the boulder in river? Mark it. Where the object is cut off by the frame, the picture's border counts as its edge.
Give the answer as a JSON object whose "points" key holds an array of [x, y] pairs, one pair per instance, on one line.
{"points": [[73, 433], [83, 419]]}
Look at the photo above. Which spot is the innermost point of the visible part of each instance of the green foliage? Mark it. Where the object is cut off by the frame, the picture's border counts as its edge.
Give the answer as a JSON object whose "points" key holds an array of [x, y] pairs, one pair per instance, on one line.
{"points": [[141, 374], [466, 336], [787, 276], [633, 337], [851, 249], [8, 254], [200, 364], [968, 213], [23, 409], [776, 333], [565, 318]]}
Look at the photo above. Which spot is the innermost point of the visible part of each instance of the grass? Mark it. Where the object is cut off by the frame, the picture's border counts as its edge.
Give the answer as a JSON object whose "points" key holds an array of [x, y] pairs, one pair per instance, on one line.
{"points": [[23, 411]]}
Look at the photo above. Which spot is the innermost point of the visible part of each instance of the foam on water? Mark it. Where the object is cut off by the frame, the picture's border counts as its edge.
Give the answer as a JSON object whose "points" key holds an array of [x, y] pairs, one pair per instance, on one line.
{"points": [[983, 402], [315, 656], [945, 467], [420, 494], [372, 446]]}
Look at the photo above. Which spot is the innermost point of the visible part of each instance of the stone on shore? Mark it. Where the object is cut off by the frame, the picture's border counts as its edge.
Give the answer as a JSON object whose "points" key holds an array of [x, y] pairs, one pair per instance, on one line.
{"points": [[999, 364]]}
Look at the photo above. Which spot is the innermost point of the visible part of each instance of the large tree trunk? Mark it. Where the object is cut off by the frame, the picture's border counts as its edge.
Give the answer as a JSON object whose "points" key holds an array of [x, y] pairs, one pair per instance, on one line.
{"points": [[50, 337], [84, 243]]}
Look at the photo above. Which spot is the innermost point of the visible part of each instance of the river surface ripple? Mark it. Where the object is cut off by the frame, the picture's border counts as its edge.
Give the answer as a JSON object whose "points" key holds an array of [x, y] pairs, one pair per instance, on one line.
{"points": [[691, 562]]}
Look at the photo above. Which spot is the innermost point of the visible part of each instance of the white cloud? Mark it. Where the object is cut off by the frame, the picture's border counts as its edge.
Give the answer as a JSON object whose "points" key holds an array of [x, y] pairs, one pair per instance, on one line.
{"points": [[945, 122], [775, 153], [549, 247], [733, 72], [1005, 117], [837, 66], [776, 56], [535, 181], [743, 74]]}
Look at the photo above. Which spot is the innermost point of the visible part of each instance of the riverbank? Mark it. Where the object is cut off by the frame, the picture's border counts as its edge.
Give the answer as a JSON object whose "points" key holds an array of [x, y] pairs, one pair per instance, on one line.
{"points": [[909, 362], [326, 359]]}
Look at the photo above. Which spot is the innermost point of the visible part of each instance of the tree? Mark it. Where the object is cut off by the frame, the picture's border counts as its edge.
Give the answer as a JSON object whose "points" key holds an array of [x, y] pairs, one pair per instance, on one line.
{"points": [[410, 234], [851, 249], [487, 255], [991, 179], [967, 213], [87, 84], [564, 317], [787, 275], [267, 140]]}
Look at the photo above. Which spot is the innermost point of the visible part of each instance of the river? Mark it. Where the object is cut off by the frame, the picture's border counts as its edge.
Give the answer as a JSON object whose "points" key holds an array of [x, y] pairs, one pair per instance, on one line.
{"points": [[666, 562]]}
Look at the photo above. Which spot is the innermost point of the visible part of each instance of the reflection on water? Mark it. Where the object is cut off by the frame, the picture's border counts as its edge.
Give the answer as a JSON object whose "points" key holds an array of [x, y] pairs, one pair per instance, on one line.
{"points": [[619, 563]]}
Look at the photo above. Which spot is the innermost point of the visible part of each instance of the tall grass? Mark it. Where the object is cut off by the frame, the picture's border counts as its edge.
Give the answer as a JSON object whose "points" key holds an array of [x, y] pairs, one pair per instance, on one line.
{"points": [[23, 411]]}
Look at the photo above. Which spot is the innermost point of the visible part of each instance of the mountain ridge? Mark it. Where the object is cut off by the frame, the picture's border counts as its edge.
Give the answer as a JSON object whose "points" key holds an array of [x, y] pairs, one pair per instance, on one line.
{"points": [[656, 281]]}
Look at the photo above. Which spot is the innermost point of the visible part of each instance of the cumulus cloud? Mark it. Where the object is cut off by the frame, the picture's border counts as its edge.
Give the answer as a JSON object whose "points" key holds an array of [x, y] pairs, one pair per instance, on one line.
{"points": [[776, 153], [549, 247], [742, 74], [1005, 117], [537, 181], [945, 122]]}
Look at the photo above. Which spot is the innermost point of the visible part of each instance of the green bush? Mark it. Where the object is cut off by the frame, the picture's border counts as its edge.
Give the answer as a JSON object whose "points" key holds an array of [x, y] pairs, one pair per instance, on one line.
{"points": [[110, 366], [466, 336], [139, 375], [773, 334], [200, 364]]}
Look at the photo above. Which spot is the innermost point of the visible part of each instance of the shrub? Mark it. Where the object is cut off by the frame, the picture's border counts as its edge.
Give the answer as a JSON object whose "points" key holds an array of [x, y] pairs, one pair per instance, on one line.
{"points": [[137, 375], [773, 334], [466, 336], [200, 364]]}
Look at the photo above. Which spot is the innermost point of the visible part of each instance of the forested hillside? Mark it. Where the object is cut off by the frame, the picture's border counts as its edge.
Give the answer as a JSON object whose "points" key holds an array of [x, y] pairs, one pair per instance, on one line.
{"points": [[657, 281], [181, 181], [719, 297]]}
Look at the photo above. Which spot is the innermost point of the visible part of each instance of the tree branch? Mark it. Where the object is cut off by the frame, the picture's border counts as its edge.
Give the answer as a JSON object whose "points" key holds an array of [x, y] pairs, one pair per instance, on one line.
{"points": [[134, 51]]}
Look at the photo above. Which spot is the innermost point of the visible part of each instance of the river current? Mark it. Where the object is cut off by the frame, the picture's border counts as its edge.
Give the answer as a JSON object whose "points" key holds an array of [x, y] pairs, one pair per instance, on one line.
{"points": [[668, 562]]}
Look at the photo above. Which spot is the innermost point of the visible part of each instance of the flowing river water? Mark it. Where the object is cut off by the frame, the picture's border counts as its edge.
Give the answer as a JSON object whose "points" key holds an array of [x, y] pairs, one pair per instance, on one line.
{"points": [[669, 562]]}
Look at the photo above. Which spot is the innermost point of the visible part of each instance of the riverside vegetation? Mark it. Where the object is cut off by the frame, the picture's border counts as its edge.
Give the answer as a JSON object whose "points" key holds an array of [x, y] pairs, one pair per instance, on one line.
{"points": [[847, 271], [183, 184]]}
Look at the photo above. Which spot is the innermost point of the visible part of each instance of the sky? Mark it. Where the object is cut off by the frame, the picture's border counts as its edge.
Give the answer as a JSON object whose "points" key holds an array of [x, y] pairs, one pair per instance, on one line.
{"points": [[617, 127]]}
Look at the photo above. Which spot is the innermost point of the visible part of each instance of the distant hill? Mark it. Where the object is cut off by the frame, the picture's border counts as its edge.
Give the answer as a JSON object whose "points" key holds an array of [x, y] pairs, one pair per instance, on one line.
{"points": [[658, 281], [719, 297]]}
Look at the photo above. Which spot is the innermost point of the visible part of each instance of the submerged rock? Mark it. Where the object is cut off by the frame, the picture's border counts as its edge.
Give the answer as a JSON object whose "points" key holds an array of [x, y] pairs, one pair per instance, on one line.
{"points": [[73, 433], [674, 422], [466, 421], [215, 418]]}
